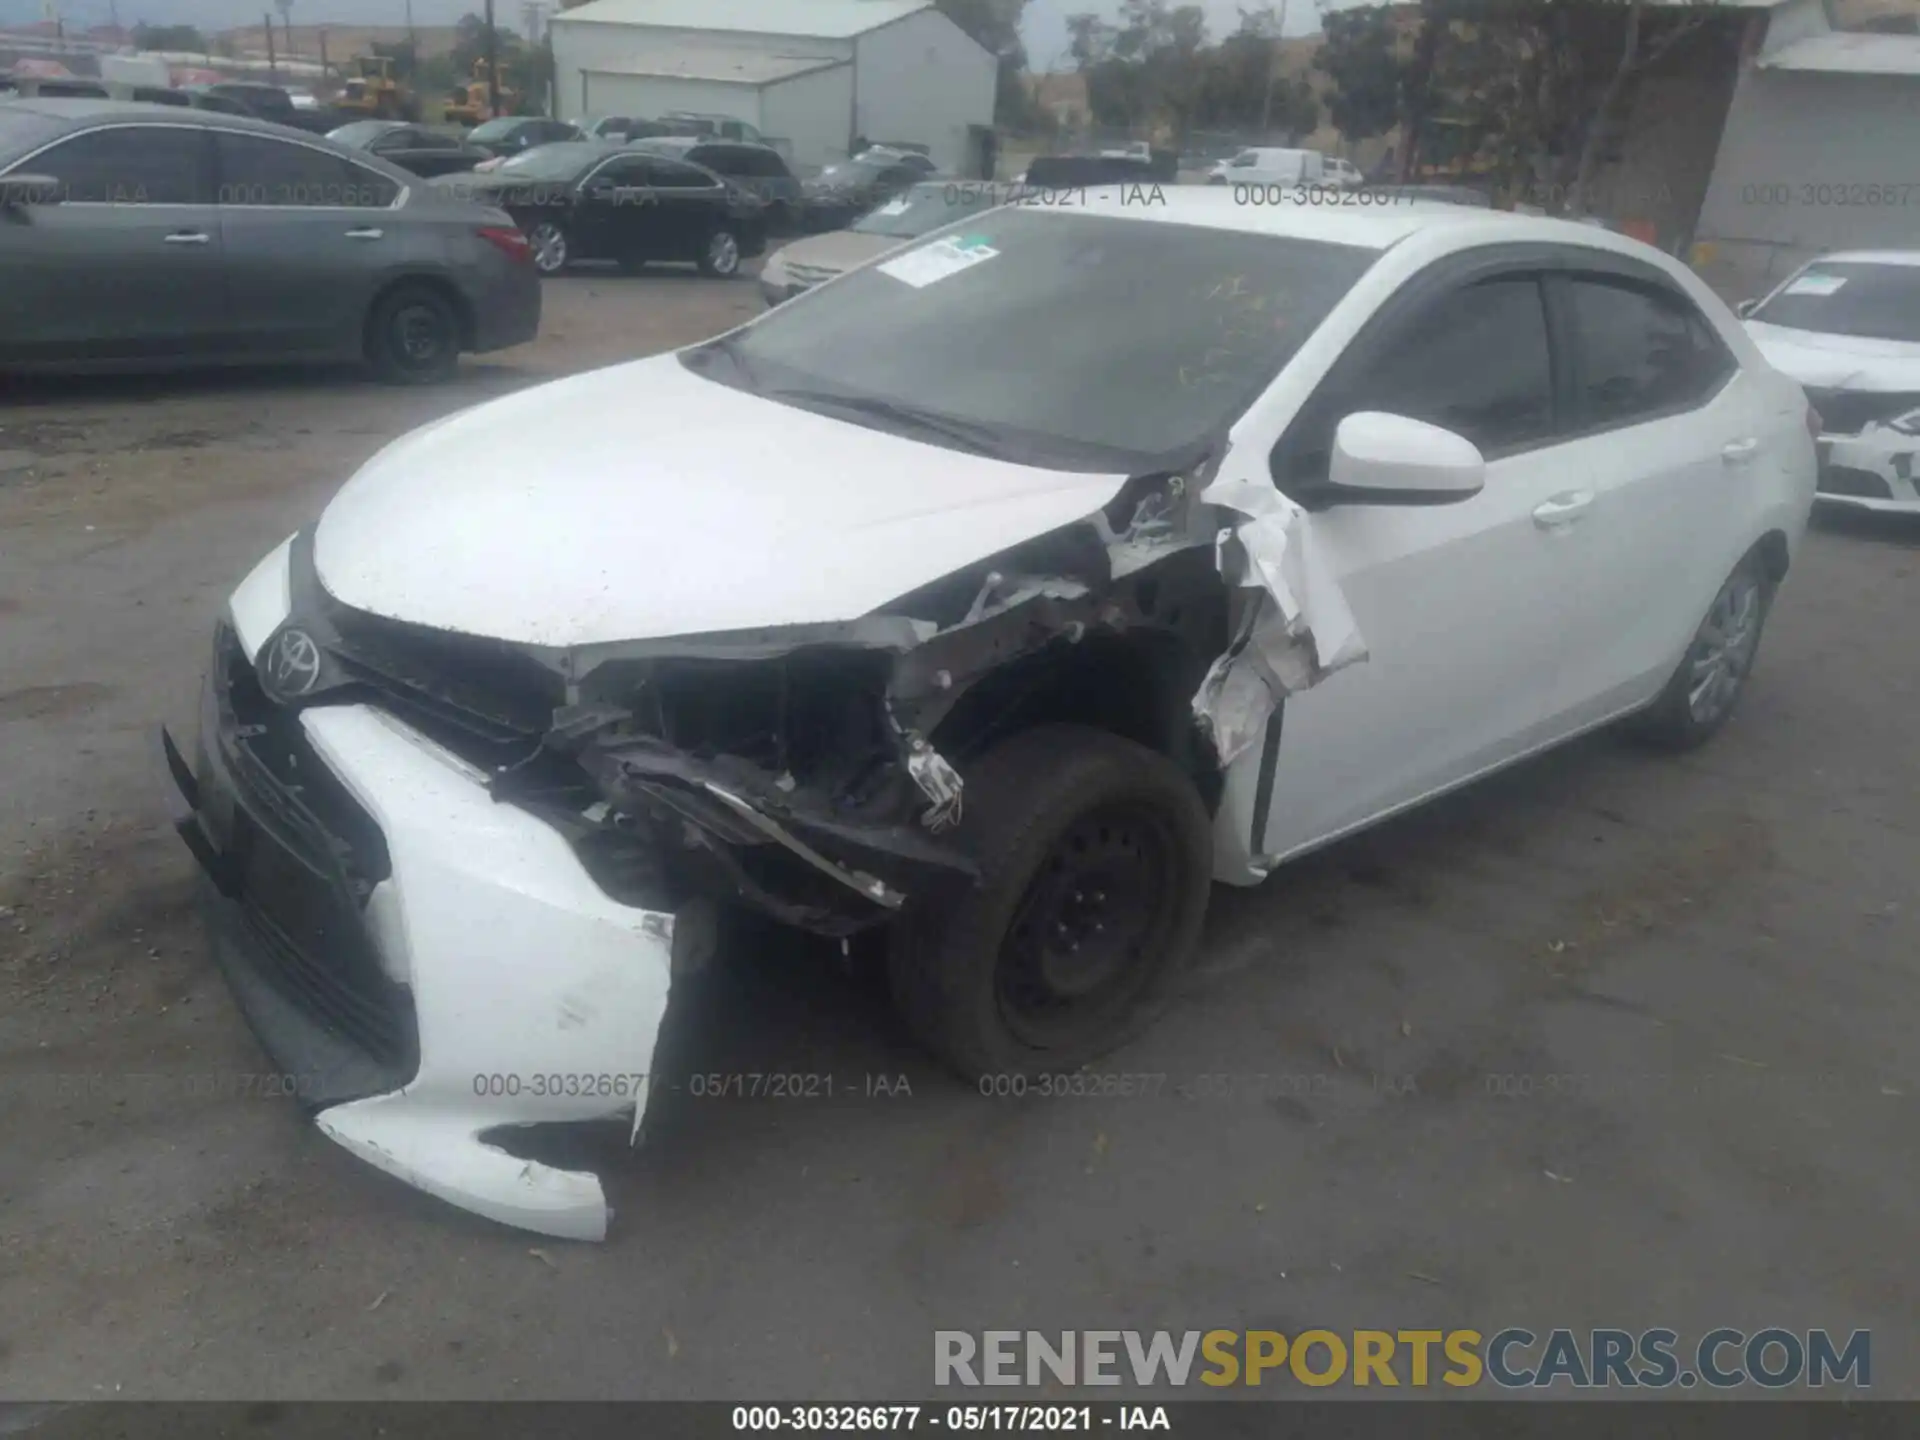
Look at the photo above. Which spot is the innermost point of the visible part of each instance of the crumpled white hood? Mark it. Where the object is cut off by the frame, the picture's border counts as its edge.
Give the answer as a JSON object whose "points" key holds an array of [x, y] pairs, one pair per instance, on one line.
{"points": [[1839, 362], [644, 501]]}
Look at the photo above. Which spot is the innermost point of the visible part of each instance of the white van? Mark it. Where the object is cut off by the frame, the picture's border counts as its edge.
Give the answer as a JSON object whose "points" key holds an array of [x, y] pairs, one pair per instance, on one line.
{"points": [[1262, 165]]}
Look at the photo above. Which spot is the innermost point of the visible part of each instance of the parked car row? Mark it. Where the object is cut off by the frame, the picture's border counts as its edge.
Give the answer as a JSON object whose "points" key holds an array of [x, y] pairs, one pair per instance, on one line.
{"points": [[133, 236]]}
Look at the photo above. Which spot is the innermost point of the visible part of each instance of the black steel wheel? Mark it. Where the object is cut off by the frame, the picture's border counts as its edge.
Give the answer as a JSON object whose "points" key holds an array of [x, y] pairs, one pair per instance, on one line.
{"points": [[1096, 861], [413, 336]]}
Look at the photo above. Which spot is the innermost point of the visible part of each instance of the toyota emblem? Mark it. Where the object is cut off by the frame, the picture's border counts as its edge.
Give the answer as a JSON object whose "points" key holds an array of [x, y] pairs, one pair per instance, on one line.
{"points": [[293, 665]]}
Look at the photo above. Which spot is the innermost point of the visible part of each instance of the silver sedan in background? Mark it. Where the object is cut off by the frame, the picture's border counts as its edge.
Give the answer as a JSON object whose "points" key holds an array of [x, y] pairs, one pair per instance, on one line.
{"points": [[917, 211], [146, 236]]}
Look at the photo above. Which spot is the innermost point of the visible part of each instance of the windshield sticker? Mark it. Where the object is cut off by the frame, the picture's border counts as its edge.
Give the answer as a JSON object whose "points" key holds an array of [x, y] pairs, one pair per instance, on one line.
{"points": [[938, 261], [1815, 285]]}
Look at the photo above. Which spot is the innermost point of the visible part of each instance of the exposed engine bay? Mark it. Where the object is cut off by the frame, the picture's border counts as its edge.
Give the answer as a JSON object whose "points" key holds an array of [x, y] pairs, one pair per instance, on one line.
{"points": [[817, 773]]}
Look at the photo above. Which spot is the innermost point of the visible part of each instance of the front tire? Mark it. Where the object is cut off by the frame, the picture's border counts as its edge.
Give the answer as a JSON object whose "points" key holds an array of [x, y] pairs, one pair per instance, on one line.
{"points": [[721, 258], [552, 247], [1707, 685], [413, 336], [1096, 861]]}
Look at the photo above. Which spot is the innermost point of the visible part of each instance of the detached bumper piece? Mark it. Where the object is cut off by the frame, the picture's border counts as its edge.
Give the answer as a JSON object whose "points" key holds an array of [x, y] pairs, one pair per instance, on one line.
{"points": [[429, 965]]}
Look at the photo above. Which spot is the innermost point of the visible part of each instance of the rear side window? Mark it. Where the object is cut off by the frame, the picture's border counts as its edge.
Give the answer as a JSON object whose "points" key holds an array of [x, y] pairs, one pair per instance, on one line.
{"points": [[672, 175], [130, 165], [1643, 352], [257, 171], [1475, 362]]}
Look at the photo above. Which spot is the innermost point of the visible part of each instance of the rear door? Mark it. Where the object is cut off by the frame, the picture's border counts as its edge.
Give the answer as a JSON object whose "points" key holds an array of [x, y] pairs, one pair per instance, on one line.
{"points": [[309, 236], [128, 265], [1462, 605], [1668, 431], [689, 205]]}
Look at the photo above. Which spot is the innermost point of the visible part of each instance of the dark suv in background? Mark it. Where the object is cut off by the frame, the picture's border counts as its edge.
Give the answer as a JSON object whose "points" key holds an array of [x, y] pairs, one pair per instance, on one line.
{"points": [[756, 169]]}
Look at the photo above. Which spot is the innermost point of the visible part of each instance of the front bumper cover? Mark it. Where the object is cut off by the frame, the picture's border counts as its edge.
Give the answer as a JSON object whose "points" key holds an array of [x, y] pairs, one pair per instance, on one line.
{"points": [[526, 994], [1877, 470]]}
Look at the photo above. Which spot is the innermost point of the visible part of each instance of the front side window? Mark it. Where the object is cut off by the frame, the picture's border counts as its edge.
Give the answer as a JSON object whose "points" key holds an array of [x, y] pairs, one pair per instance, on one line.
{"points": [[1072, 339], [1843, 297], [130, 165], [1475, 362], [1643, 352], [256, 170]]}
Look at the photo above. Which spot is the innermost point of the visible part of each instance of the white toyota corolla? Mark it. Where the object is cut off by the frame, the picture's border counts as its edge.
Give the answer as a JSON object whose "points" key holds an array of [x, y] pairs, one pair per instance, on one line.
{"points": [[998, 596]]}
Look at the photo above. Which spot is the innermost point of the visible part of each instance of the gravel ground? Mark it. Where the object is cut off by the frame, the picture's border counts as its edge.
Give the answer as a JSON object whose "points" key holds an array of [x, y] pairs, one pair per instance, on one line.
{"points": [[1610, 1040]]}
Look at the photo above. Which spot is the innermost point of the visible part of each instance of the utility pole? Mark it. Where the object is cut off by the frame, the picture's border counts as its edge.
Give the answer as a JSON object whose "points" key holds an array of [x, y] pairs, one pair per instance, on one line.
{"points": [[1273, 66], [493, 66], [285, 8], [273, 64], [412, 41]]}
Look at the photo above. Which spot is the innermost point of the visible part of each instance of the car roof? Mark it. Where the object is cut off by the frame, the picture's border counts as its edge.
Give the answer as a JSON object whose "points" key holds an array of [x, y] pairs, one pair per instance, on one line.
{"points": [[1870, 257], [78, 113], [1376, 228], [688, 142]]}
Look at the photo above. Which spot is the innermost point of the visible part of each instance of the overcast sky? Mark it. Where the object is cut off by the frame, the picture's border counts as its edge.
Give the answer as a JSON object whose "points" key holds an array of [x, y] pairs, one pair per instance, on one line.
{"points": [[1045, 27]]}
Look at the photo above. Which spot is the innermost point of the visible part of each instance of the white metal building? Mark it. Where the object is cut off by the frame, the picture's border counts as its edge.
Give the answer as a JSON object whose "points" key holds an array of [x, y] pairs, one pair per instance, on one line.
{"points": [[814, 74]]}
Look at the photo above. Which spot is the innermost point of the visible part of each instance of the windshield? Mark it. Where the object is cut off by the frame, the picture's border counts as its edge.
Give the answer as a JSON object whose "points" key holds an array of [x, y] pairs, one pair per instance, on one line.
{"points": [[849, 172], [1872, 302], [1076, 340], [551, 162], [923, 208], [360, 132], [494, 129]]}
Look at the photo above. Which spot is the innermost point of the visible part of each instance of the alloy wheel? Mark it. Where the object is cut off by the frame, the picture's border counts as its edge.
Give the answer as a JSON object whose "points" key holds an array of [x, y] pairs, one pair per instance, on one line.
{"points": [[1723, 649], [723, 253], [549, 244]]}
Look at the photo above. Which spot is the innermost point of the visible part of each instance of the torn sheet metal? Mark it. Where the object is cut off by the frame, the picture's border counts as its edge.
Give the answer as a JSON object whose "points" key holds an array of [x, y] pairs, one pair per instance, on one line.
{"points": [[1293, 633]]}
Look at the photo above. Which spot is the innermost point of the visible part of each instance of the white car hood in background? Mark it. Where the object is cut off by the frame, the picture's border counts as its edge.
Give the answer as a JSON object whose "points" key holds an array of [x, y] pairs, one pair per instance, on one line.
{"points": [[1839, 362], [643, 501]]}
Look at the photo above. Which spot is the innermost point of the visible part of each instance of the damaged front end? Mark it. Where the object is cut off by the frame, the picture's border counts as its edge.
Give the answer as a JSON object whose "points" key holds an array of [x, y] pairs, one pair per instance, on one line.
{"points": [[556, 825], [817, 773]]}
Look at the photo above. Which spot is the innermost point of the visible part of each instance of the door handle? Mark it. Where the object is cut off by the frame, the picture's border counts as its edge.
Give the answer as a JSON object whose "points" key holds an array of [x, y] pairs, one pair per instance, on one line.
{"points": [[1563, 509], [364, 234], [186, 237], [1738, 452]]}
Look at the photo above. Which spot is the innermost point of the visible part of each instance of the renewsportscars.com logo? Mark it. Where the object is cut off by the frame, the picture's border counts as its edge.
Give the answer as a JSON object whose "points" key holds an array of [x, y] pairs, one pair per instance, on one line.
{"points": [[1511, 1359]]}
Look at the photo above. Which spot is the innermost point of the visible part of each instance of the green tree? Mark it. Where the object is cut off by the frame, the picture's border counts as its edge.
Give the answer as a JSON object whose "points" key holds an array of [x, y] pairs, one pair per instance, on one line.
{"points": [[169, 37], [1360, 56], [995, 26]]}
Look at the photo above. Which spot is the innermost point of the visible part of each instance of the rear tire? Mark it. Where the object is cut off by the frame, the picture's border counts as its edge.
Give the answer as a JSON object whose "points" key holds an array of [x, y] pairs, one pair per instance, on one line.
{"points": [[1712, 675], [721, 258], [552, 247], [1096, 860], [413, 336]]}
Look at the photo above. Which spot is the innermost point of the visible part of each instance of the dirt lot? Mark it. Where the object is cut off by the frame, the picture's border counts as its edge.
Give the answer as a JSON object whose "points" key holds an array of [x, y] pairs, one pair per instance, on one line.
{"points": [[1609, 1041]]}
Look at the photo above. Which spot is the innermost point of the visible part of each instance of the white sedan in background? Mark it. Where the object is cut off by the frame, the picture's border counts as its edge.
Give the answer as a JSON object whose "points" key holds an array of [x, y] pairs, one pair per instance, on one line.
{"points": [[1847, 327], [996, 598]]}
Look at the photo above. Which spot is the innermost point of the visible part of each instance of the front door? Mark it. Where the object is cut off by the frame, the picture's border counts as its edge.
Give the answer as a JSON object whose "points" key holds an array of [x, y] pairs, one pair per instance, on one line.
{"points": [[1461, 605], [127, 264]]}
